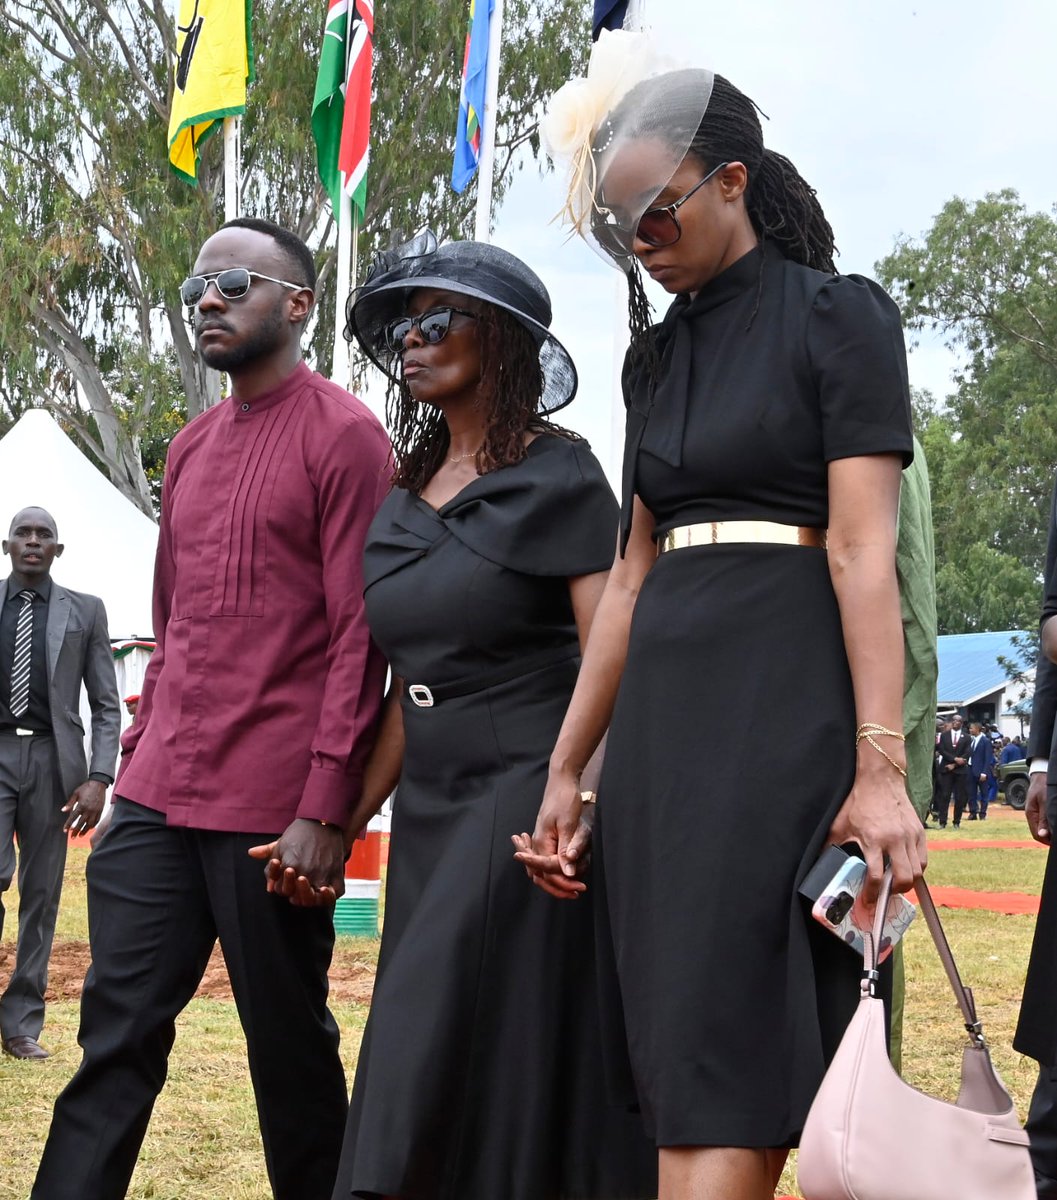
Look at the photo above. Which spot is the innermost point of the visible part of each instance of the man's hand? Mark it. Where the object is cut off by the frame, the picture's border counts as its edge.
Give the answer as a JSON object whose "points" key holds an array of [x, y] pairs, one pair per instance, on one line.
{"points": [[307, 864], [85, 807], [1035, 809]]}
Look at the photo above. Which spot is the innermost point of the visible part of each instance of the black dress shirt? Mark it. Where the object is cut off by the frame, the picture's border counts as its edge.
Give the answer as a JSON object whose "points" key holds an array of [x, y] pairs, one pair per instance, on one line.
{"points": [[38, 715]]}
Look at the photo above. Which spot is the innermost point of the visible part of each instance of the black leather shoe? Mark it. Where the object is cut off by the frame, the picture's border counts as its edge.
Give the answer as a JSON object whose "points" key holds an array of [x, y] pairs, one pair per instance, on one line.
{"points": [[24, 1047]]}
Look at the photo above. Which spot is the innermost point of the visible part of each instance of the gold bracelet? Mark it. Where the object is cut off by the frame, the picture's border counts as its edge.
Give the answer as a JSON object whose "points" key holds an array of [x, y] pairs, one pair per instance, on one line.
{"points": [[867, 730]]}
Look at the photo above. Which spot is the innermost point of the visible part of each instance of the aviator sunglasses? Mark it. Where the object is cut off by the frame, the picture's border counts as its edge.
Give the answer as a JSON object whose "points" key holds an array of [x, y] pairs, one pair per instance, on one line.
{"points": [[433, 326], [232, 284], [657, 226]]}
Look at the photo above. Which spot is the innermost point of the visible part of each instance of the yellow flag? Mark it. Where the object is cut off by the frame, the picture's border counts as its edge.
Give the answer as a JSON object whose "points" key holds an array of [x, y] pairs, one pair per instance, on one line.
{"points": [[214, 62]]}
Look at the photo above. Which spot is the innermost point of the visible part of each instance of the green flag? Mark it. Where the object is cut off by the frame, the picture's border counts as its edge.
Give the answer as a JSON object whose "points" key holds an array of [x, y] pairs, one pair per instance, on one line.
{"points": [[341, 107]]}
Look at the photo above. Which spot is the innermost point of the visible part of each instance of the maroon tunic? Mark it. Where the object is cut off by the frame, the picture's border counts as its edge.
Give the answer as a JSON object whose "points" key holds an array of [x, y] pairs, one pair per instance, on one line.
{"points": [[259, 703]]}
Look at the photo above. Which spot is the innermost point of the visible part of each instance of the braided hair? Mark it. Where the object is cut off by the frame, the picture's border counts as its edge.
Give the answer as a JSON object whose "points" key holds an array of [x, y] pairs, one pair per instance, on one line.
{"points": [[782, 207], [510, 388]]}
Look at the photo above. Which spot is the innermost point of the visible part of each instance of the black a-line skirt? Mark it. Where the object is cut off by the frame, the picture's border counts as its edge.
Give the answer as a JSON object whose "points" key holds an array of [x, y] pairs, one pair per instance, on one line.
{"points": [[730, 751]]}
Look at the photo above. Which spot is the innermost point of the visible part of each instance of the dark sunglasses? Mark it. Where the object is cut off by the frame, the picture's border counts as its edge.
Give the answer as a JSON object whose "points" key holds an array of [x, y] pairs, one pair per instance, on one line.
{"points": [[232, 284], [433, 327], [657, 226]]}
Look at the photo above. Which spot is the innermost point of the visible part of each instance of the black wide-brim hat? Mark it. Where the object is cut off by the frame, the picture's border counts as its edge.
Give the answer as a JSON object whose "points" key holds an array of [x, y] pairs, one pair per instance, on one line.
{"points": [[475, 269]]}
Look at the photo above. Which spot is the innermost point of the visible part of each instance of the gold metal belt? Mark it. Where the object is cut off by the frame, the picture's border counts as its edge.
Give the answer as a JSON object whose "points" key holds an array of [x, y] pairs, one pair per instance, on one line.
{"points": [[712, 533]]}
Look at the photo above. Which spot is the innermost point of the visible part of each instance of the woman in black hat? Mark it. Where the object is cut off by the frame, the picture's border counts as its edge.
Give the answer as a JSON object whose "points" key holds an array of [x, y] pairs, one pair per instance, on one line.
{"points": [[769, 406], [482, 569]]}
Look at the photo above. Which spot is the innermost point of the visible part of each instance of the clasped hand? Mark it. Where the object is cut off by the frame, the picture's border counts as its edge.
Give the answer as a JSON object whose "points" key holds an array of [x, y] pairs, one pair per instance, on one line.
{"points": [[306, 864], [559, 849]]}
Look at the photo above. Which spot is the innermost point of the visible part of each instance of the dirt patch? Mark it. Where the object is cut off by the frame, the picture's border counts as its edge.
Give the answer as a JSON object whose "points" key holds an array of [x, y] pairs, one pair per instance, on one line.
{"points": [[351, 981]]}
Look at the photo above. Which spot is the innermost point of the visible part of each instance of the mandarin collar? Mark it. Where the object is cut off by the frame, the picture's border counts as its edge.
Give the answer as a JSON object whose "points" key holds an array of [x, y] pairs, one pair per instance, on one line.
{"points": [[741, 275], [282, 391]]}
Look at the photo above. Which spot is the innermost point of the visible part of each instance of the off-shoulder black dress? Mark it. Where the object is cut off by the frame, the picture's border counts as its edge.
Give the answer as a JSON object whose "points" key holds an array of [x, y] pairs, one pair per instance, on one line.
{"points": [[480, 1074], [733, 741]]}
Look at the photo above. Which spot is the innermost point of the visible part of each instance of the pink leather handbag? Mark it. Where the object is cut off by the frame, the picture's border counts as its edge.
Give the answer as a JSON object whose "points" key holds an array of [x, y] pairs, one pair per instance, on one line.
{"points": [[870, 1136]]}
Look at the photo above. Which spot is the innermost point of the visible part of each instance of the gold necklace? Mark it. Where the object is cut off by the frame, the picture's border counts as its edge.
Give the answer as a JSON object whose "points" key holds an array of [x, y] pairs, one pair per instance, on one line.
{"points": [[472, 454]]}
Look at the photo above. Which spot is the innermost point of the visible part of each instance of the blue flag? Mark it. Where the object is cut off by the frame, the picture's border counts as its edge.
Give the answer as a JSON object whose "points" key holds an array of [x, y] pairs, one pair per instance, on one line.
{"points": [[471, 95], [609, 14]]}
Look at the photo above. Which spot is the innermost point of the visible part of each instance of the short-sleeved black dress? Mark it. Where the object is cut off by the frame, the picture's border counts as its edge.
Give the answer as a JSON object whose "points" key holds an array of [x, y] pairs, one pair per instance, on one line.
{"points": [[480, 1074], [732, 745]]}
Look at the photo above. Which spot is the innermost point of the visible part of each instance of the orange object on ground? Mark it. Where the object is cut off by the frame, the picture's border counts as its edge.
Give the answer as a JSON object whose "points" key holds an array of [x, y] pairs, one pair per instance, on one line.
{"points": [[981, 844], [1011, 903], [366, 857]]}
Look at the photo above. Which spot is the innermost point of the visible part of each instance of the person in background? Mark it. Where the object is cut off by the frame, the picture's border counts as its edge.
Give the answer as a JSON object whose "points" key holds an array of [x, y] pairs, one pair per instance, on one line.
{"points": [[1013, 751], [981, 771], [953, 749], [1036, 1033], [257, 712], [131, 704], [52, 640]]}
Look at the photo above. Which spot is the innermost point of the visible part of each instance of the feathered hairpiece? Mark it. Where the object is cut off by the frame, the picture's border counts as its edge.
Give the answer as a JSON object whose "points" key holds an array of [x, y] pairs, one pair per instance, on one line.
{"points": [[631, 90]]}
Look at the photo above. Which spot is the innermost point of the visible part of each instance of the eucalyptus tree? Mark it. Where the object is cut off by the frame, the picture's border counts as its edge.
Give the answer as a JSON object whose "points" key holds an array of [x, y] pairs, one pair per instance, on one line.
{"points": [[95, 231]]}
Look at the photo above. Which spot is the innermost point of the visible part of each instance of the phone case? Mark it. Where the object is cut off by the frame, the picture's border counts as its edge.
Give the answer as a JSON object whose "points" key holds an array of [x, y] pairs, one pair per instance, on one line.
{"points": [[840, 909]]}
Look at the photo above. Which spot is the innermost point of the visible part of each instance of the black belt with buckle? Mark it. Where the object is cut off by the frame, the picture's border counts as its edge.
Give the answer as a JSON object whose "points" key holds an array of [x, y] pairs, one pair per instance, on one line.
{"points": [[426, 695]]}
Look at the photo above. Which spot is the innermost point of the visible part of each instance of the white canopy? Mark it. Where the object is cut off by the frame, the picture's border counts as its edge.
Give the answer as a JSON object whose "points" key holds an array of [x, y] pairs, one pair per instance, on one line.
{"points": [[110, 544]]}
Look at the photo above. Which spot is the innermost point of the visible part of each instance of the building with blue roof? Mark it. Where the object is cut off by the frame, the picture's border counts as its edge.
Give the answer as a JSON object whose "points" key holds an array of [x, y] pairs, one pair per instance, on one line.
{"points": [[972, 681]]}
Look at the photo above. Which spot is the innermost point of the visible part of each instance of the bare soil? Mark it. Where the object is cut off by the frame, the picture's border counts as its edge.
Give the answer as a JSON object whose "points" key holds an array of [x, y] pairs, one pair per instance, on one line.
{"points": [[350, 981]]}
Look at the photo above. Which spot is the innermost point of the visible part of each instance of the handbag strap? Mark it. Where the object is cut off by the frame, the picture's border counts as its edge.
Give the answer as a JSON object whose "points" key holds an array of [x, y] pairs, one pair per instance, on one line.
{"points": [[872, 941]]}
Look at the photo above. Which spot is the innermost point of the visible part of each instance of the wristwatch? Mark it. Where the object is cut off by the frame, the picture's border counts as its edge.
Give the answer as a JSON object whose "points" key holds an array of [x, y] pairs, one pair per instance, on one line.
{"points": [[588, 797]]}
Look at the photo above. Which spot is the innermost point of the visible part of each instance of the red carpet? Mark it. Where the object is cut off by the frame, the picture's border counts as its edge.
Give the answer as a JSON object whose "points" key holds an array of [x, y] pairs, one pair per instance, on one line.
{"points": [[1012, 903], [981, 844]]}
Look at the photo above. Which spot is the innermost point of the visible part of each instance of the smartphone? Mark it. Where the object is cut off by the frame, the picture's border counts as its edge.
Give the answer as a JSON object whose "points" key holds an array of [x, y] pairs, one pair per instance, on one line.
{"points": [[834, 886]]}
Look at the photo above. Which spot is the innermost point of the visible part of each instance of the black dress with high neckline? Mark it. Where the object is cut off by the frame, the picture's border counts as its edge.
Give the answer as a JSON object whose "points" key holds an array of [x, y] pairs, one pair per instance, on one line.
{"points": [[732, 745]]}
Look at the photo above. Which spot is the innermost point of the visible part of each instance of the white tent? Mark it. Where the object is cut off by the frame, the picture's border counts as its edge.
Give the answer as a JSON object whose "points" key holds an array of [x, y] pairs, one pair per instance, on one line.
{"points": [[109, 543]]}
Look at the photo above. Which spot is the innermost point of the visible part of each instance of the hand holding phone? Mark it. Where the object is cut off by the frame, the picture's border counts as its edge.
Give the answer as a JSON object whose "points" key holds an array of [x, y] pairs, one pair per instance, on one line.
{"points": [[834, 885]]}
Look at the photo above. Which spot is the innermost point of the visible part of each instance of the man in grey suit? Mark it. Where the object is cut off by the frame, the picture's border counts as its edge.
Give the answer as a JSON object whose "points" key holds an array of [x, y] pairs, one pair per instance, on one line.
{"points": [[51, 639]]}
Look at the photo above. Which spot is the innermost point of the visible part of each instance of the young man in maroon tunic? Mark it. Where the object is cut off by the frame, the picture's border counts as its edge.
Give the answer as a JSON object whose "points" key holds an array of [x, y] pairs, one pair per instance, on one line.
{"points": [[255, 718]]}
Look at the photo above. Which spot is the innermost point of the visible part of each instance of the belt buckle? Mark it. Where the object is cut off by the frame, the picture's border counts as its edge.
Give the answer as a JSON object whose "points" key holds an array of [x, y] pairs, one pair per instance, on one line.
{"points": [[25, 732], [420, 695]]}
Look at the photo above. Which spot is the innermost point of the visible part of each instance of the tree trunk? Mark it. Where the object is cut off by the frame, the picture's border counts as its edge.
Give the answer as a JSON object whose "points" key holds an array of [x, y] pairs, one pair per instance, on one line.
{"points": [[117, 449]]}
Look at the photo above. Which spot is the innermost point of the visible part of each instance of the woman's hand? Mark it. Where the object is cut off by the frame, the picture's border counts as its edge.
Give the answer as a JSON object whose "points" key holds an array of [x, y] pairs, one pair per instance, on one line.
{"points": [[879, 817], [560, 838], [546, 870]]}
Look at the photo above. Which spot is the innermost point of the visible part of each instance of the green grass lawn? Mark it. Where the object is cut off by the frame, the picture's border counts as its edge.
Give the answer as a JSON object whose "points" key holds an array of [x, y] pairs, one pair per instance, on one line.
{"points": [[203, 1142]]}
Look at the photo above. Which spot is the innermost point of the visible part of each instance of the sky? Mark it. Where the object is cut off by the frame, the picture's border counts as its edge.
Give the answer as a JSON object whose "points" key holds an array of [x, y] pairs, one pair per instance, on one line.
{"points": [[887, 108]]}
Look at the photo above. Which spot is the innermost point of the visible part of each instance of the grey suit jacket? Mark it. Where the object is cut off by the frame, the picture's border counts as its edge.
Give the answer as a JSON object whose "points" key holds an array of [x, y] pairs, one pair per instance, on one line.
{"points": [[79, 649]]}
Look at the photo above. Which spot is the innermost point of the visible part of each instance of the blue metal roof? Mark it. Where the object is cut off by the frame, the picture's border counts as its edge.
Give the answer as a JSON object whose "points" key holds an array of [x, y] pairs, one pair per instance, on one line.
{"points": [[969, 664]]}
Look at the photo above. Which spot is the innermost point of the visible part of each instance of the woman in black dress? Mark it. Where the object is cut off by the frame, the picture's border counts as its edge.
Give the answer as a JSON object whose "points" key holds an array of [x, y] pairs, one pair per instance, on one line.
{"points": [[769, 406], [483, 569]]}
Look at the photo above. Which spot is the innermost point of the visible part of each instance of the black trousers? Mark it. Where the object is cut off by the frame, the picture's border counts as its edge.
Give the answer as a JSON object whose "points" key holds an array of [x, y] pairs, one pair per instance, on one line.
{"points": [[31, 800], [158, 899], [1042, 1130], [958, 782]]}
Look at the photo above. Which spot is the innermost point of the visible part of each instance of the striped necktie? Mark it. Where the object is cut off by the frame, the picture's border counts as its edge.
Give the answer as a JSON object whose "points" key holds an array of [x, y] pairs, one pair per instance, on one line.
{"points": [[23, 654]]}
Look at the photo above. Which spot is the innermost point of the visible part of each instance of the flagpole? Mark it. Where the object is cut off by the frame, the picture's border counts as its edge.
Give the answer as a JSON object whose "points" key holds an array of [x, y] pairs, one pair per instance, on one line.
{"points": [[486, 163], [232, 167], [346, 219]]}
